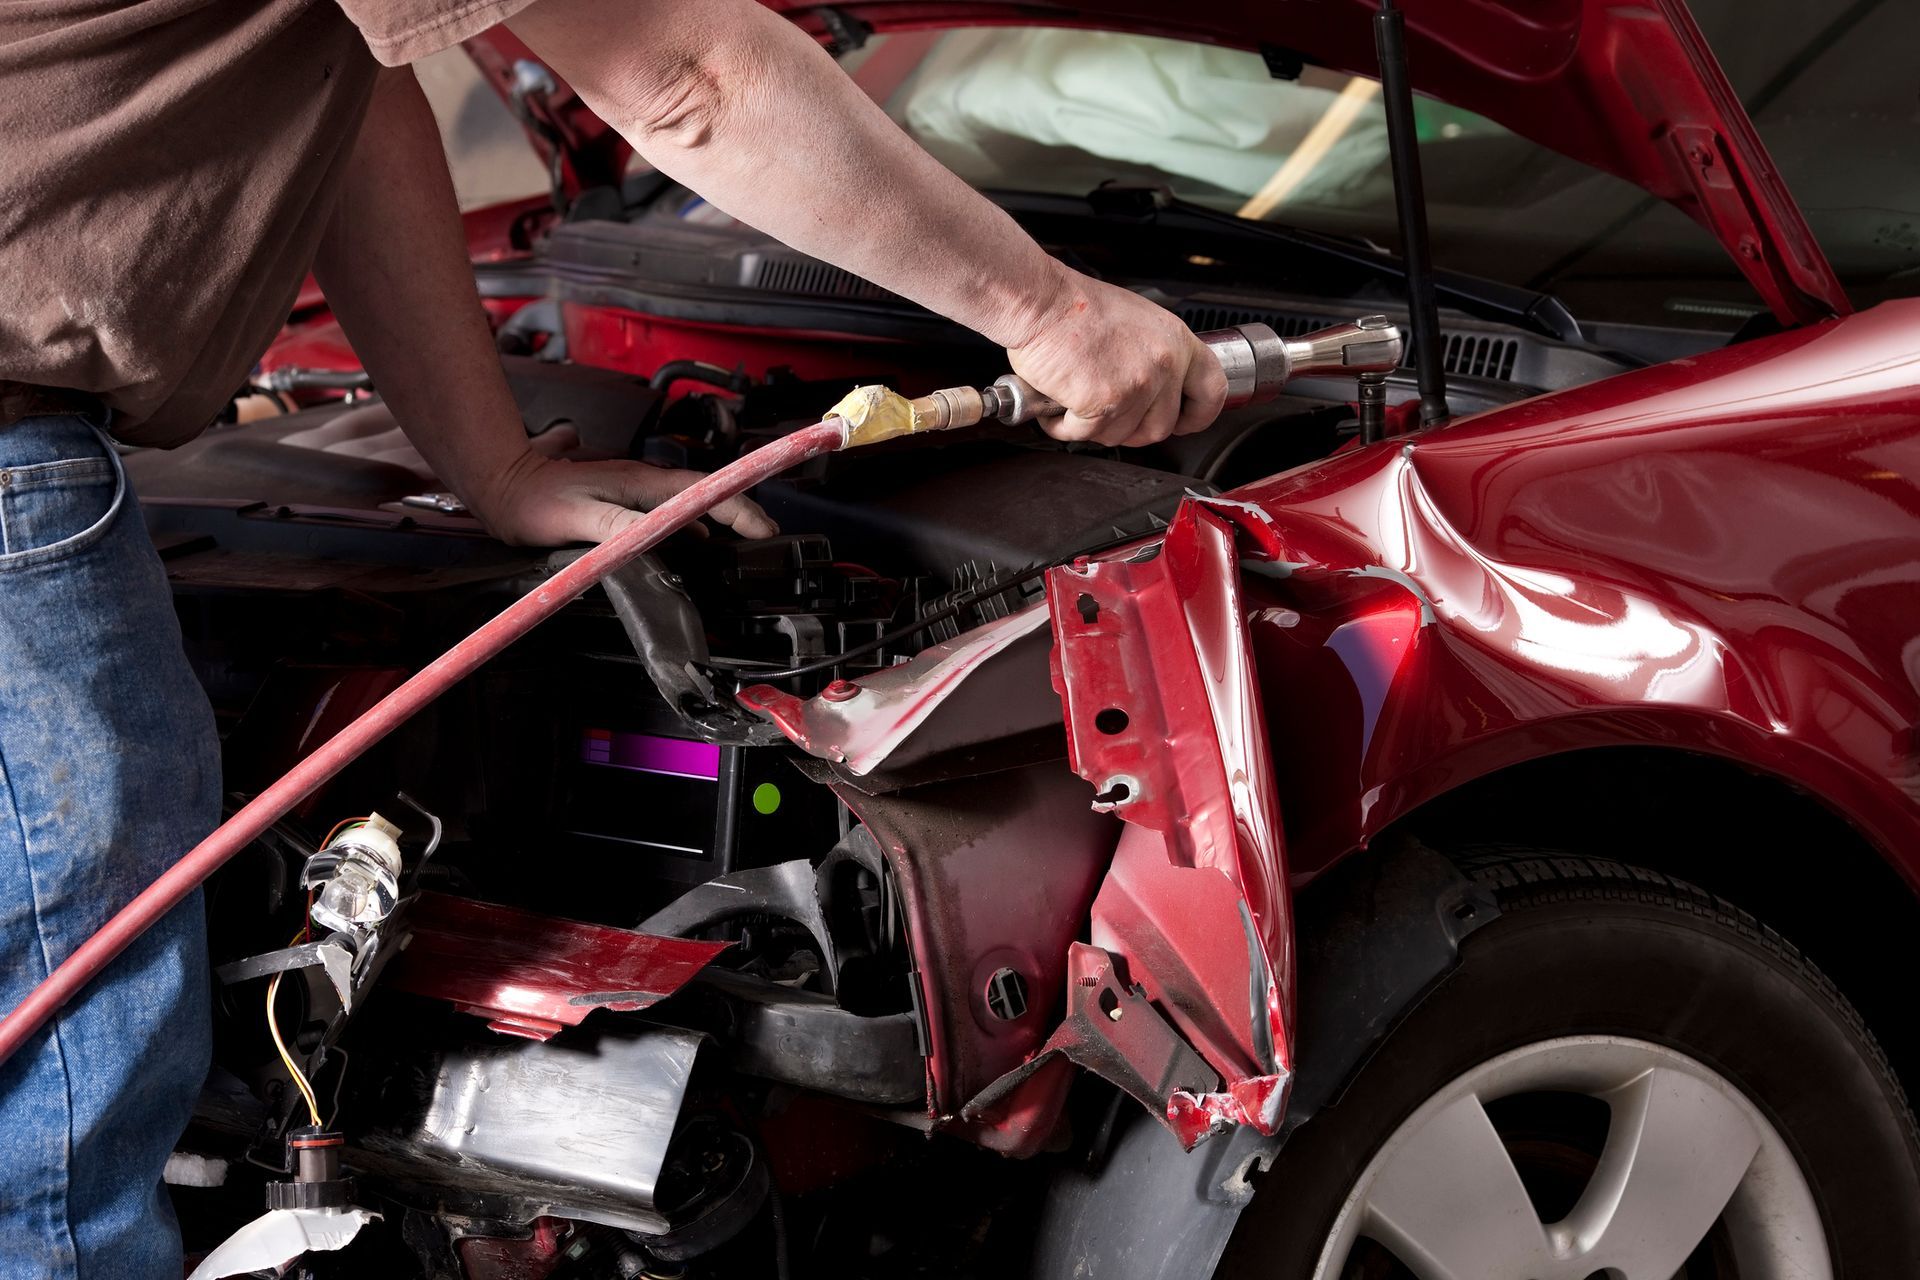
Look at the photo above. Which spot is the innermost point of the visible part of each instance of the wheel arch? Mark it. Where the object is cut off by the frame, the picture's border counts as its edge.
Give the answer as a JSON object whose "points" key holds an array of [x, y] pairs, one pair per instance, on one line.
{"points": [[1753, 838], [1379, 929]]}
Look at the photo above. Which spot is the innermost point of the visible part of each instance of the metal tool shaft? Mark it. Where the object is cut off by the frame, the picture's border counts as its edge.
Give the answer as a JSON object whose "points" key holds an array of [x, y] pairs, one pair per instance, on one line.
{"points": [[1257, 361]]}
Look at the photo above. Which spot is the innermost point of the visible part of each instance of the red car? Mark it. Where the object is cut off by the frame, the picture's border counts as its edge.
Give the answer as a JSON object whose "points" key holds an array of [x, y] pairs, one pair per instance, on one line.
{"points": [[1485, 848]]}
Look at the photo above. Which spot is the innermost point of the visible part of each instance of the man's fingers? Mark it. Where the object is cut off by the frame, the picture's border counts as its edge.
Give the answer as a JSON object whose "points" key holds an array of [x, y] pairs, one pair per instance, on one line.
{"points": [[1073, 428], [1202, 393], [745, 517], [1158, 422], [647, 487], [1111, 426]]}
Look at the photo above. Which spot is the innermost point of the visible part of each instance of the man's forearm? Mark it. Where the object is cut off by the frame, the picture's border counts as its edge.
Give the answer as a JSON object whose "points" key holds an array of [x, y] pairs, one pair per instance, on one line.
{"points": [[394, 268], [737, 103], [394, 265]]}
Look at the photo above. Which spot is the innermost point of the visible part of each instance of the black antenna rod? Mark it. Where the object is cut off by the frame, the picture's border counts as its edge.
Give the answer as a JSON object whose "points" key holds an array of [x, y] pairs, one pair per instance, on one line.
{"points": [[1409, 192]]}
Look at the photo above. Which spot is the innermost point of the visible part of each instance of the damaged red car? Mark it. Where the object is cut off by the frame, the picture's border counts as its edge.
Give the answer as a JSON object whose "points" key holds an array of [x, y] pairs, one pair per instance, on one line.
{"points": [[1455, 818]]}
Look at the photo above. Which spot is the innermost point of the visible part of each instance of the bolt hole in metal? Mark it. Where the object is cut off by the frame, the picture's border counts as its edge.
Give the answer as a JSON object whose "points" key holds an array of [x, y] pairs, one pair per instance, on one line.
{"points": [[1581, 1158], [1111, 721], [1117, 791], [1089, 608], [1110, 1005]]}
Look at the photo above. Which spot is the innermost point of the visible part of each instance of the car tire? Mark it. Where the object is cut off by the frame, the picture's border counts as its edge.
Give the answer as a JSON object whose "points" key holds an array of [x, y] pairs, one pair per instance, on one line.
{"points": [[1595, 958]]}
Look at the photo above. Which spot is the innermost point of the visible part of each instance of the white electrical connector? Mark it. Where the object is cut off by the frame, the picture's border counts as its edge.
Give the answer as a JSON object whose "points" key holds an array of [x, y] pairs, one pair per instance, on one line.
{"points": [[358, 877]]}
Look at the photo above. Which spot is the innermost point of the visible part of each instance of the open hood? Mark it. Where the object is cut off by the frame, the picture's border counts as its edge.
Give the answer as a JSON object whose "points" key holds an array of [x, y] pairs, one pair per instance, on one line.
{"points": [[1626, 86]]}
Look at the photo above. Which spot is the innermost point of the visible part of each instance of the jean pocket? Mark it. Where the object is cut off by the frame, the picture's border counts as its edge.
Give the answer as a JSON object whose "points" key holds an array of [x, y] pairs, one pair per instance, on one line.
{"points": [[49, 510]]}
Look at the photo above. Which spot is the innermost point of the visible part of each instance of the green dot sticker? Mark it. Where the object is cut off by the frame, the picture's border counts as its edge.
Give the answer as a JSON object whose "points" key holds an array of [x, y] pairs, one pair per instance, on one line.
{"points": [[766, 798]]}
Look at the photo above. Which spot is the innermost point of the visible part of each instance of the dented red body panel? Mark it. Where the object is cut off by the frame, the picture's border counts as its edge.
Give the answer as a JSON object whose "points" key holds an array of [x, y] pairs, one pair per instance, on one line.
{"points": [[1718, 555]]}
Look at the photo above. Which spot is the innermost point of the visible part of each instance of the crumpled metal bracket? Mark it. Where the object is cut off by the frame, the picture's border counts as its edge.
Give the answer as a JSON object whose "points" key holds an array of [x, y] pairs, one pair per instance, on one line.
{"points": [[332, 956], [1112, 1030], [1153, 663]]}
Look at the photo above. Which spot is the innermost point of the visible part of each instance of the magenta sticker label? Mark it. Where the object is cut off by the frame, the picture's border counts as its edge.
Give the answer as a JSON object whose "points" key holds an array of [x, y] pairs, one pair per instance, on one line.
{"points": [[648, 754]]}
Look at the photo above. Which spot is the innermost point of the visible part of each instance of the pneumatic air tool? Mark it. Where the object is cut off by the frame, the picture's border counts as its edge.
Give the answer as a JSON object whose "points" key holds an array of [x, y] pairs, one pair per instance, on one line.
{"points": [[1257, 361]]}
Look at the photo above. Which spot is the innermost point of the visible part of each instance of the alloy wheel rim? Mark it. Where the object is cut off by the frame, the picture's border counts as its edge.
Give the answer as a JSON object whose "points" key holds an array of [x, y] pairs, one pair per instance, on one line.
{"points": [[1686, 1153]]}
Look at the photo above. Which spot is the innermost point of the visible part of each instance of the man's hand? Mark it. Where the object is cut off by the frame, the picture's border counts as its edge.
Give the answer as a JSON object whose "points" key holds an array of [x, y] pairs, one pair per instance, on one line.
{"points": [[540, 501], [1129, 372]]}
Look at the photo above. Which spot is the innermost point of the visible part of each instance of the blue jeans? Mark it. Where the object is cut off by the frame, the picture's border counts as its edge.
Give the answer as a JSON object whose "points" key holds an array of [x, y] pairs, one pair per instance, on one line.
{"points": [[109, 771]]}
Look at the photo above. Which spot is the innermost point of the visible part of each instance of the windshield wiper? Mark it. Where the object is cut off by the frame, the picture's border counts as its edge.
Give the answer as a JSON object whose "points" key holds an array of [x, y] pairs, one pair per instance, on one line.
{"points": [[1474, 295]]}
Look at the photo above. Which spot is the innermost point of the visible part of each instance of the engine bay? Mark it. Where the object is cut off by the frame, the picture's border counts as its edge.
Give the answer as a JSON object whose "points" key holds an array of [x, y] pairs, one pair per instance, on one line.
{"points": [[600, 793]]}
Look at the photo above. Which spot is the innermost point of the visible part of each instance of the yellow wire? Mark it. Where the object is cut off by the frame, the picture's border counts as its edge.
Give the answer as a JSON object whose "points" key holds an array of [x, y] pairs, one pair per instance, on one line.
{"points": [[273, 1029], [273, 993]]}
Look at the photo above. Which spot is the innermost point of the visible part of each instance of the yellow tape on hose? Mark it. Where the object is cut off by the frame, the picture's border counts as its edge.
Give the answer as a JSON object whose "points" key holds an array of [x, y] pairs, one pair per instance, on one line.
{"points": [[874, 413]]}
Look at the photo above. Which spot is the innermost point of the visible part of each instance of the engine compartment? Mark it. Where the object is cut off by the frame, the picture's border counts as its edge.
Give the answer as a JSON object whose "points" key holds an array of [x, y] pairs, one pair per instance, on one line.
{"points": [[600, 783]]}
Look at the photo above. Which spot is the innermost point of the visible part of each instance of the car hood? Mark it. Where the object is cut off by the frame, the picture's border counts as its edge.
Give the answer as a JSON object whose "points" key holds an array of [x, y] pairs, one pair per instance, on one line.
{"points": [[1626, 86]]}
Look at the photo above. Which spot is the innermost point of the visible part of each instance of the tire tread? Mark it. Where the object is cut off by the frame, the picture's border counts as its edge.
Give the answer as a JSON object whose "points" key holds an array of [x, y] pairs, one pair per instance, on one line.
{"points": [[1521, 877]]}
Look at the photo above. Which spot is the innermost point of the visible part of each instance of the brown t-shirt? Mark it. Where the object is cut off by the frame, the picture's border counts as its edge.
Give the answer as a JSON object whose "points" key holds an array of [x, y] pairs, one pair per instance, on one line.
{"points": [[402, 30], [167, 168]]}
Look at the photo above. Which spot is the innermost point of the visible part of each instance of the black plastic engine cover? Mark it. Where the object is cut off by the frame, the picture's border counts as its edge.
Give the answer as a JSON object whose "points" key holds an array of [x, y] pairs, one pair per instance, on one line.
{"points": [[933, 507]]}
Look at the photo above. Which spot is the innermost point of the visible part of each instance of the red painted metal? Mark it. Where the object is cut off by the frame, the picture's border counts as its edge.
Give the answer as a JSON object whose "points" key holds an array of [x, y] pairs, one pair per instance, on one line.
{"points": [[813, 1141], [1164, 718], [616, 338], [1720, 555], [992, 871], [505, 232], [1627, 86], [529, 974], [313, 339], [1112, 1029], [1024, 1122], [859, 724]]}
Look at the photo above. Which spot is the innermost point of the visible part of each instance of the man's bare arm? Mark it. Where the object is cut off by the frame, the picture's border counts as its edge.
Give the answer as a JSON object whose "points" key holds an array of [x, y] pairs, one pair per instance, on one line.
{"points": [[737, 103], [395, 270]]}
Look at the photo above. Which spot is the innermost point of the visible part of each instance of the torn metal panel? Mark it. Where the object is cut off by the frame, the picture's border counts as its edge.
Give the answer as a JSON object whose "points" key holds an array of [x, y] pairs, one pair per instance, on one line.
{"points": [[1164, 718], [1112, 1030], [875, 722], [1260, 1102], [529, 974], [1183, 928]]}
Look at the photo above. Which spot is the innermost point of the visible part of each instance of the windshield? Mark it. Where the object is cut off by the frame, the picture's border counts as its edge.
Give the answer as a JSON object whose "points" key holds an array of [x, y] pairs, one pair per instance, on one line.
{"points": [[1059, 110]]}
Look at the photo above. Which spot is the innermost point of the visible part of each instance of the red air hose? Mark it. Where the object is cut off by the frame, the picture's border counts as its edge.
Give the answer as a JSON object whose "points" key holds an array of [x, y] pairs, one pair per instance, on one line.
{"points": [[395, 709]]}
